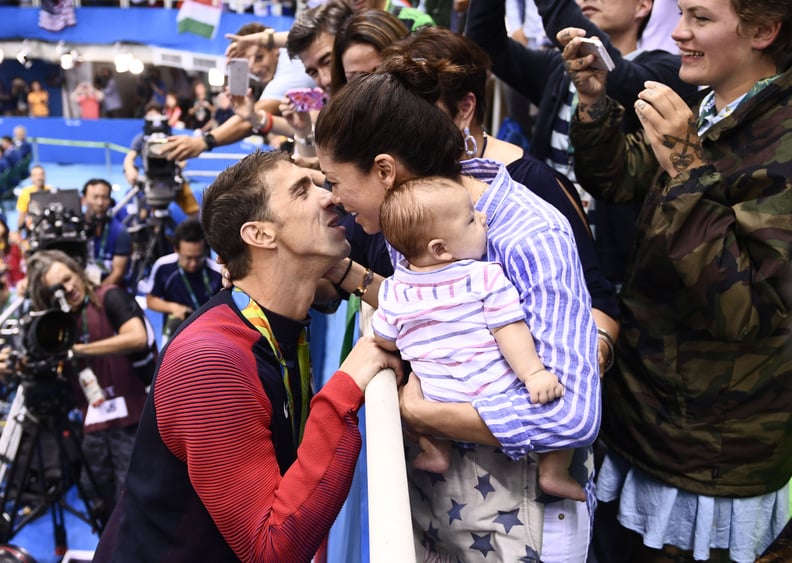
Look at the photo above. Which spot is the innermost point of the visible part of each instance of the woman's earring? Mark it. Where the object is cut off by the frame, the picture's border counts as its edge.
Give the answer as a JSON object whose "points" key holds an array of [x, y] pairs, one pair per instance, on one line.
{"points": [[471, 146]]}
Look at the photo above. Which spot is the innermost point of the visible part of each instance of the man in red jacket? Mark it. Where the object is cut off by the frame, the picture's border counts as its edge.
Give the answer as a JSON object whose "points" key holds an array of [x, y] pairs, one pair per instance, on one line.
{"points": [[216, 473]]}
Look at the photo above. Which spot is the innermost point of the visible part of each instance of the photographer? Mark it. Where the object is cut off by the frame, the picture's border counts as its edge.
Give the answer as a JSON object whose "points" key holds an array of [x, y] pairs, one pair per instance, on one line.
{"points": [[185, 198], [117, 344], [108, 240], [182, 281]]}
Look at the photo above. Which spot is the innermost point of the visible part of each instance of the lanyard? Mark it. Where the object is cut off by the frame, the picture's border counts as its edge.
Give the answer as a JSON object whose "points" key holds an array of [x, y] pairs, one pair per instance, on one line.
{"points": [[255, 315], [187, 284]]}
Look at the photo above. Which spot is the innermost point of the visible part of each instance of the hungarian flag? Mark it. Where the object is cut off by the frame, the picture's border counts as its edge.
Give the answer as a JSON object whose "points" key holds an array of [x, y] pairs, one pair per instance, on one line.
{"points": [[200, 17]]}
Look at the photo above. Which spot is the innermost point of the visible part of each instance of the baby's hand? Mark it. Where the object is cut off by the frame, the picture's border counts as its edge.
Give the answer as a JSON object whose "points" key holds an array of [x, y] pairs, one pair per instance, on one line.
{"points": [[544, 387]]}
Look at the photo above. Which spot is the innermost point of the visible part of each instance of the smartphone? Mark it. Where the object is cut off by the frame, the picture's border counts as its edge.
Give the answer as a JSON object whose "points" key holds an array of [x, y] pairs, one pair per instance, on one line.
{"points": [[593, 46], [238, 77], [307, 99]]}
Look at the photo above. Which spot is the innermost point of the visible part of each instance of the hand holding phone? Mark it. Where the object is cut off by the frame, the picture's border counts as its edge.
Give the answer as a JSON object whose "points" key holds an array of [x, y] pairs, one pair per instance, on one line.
{"points": [[238, 77], [306, 99], [593, 46]]}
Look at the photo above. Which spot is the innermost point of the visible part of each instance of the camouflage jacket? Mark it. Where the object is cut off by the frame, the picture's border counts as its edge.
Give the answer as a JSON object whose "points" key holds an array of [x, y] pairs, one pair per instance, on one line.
{"points": [[701, 395]]}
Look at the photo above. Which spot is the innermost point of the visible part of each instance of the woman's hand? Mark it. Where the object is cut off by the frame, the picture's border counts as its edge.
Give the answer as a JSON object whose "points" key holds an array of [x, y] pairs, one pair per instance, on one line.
{"points": [[589, 82], [670, 128], [411, 398]]}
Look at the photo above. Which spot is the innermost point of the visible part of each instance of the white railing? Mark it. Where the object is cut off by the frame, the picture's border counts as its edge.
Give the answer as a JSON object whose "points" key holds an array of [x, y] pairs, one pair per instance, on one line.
{"points": [[390, 526]]}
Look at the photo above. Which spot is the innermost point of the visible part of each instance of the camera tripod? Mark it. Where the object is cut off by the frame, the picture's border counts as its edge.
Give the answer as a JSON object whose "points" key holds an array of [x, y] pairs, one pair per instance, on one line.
{"points": [[150, 241], [40, 459], [149, 234]]}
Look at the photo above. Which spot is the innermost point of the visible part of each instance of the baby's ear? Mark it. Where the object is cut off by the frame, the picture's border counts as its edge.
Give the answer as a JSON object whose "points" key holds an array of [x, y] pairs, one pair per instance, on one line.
{"points": [[438, 250]]}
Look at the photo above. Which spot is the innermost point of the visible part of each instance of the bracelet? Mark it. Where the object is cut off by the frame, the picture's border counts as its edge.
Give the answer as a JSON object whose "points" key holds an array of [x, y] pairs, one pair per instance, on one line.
{"points": [[270, 38], [603, 335], [346, 272], [266, 124], [368, 277]]}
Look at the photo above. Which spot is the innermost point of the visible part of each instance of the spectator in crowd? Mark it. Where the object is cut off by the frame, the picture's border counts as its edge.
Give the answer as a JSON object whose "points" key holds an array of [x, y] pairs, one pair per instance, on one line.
{"points": [[358, 45], [109, 243], [12, 262], [199, 114], [156, 86], [38, 100], [88, 98], [413, 18], [19, 96], [117, 346], [112, 103], [273, 67], [538, 74], [269, 63], [310, 40], [233, 460], [536, 247], [697, 419], [7, 105], [223, 110], [173, 111], [182, 281], [38, 183]]}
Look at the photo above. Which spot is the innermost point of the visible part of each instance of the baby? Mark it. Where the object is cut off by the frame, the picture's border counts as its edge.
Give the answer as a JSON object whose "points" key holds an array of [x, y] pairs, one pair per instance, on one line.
{"points": [[458, 320]]}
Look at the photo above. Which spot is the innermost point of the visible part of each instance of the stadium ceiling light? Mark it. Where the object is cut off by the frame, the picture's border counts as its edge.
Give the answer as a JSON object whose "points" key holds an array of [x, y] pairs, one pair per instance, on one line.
{"points": [[136, 66], [23, 58], [68, 57], [216, 78]]}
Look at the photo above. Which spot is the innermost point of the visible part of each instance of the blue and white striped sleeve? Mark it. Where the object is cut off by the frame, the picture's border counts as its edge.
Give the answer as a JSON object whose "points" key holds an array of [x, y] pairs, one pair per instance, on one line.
{"points": [[545, 268]]}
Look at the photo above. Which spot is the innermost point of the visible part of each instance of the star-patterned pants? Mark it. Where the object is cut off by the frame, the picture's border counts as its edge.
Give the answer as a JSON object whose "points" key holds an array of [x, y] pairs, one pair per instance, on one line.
{"points": [[484, 504]]}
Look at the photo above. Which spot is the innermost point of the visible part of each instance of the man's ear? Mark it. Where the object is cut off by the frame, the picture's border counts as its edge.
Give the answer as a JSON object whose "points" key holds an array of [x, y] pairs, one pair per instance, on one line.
{"points": [[385, 168], [437, 248], [259, 234]]}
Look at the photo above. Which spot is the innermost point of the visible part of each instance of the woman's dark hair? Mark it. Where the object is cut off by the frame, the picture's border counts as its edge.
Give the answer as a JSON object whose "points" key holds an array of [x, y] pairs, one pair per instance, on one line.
{"points": [[442, 66], [377, 28], [379, 114], [757, 12]]}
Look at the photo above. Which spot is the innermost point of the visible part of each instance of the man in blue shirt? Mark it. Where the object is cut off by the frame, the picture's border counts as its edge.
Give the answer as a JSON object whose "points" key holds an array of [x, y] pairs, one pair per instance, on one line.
{"points": [[109, 243], [182, 281]]}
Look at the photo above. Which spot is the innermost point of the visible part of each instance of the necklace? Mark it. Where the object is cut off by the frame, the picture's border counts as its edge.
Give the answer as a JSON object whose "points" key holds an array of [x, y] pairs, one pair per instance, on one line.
{"points": [[483, 146]]}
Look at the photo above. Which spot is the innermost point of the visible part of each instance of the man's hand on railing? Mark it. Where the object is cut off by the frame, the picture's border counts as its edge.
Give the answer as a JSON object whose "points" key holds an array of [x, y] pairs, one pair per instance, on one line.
{"points": [[367, 359]]}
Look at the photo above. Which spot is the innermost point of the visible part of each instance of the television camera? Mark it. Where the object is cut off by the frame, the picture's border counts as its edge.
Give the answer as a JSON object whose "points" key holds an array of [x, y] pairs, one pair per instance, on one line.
{"points": [[163, 177], [57, 224]]}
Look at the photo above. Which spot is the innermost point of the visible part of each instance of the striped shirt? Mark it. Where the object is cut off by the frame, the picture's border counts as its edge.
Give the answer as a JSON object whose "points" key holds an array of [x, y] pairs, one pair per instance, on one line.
{"points": [[534, 242], [441, 322]]}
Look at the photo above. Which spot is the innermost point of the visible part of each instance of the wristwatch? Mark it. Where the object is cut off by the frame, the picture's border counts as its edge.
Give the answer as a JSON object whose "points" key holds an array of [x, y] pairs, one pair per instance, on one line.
{"points": [[210, 141]]}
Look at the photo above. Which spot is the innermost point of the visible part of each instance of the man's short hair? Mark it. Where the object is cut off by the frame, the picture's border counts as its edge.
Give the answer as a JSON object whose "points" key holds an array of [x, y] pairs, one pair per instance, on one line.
{"points": [[325, 18], [189, 230], [239, 194], [251, 28], [93, 181]]}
